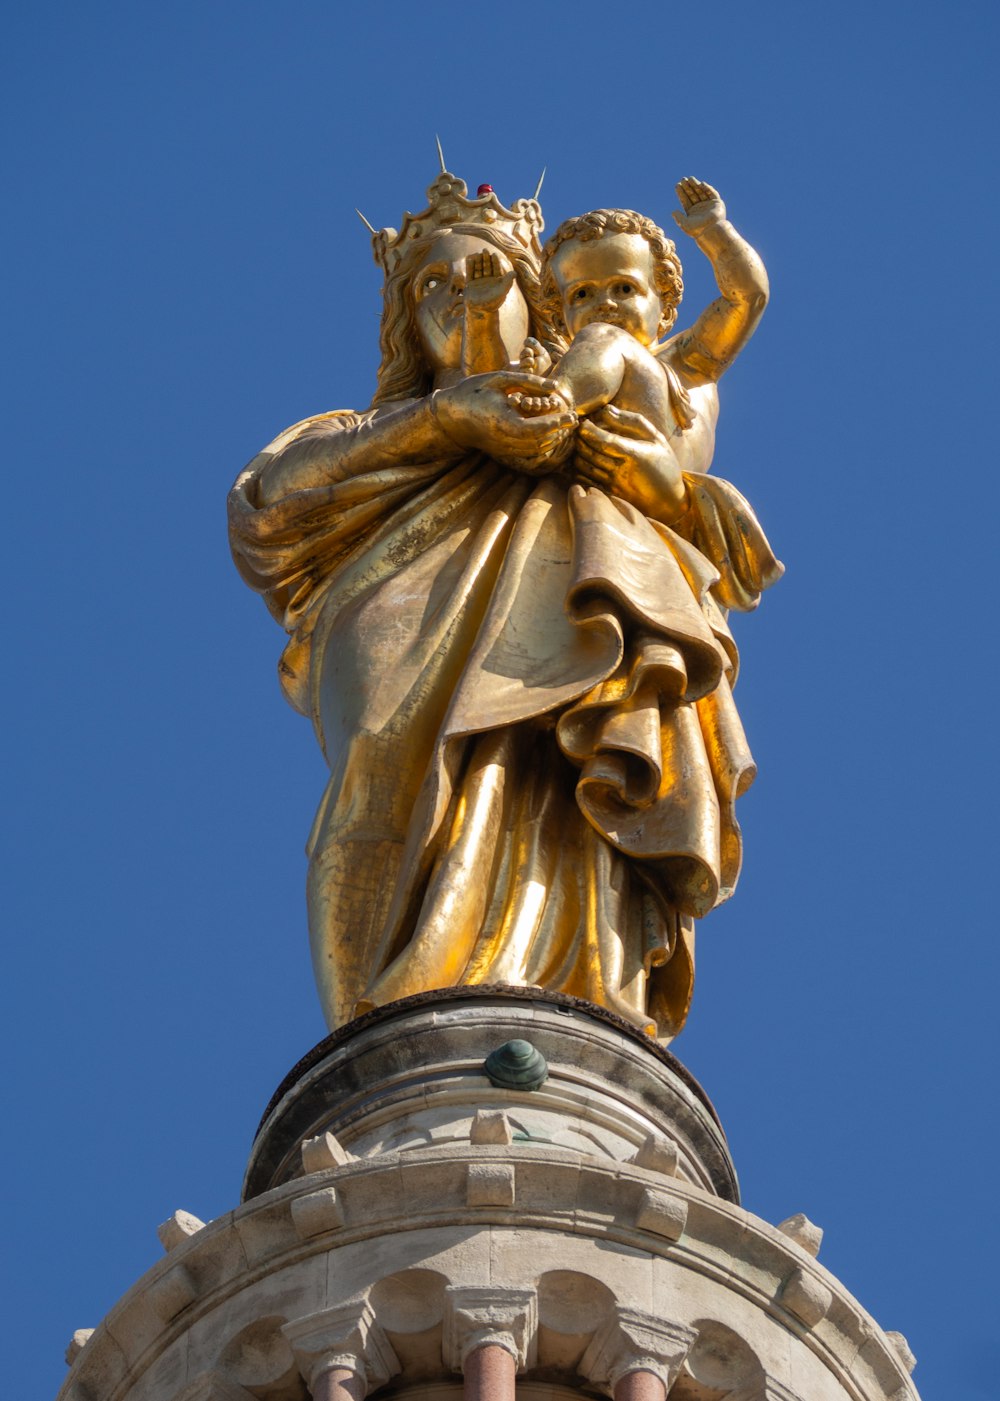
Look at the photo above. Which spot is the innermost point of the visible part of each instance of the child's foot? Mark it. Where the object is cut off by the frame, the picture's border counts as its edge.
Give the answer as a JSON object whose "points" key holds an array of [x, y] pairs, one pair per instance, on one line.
{"points": [[534, 358]]}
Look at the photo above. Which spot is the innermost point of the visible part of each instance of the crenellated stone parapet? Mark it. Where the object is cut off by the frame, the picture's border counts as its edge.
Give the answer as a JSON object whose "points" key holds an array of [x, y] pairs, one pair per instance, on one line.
{"points": [[498, 1264]]}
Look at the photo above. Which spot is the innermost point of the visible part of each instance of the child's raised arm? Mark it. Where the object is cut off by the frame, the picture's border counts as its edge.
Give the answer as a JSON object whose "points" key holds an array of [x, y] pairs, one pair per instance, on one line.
{"points": [[723, 329]]}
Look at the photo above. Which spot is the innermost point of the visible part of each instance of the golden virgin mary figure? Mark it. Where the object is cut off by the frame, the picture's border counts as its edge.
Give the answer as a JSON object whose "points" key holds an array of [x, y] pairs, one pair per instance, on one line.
{"points": [[520, 678]]}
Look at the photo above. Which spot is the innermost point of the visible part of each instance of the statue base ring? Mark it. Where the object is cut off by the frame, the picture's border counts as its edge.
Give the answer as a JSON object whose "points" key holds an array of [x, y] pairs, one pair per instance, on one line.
{"points": [[414, 1075]]}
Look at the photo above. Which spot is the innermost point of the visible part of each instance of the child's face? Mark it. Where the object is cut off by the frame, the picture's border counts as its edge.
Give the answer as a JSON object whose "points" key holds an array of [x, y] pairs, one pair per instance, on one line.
{"points": [[609, 279]]}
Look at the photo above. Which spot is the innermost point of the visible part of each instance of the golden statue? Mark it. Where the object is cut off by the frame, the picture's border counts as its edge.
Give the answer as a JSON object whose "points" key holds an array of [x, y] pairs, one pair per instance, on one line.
{"points": [[506, 585]]}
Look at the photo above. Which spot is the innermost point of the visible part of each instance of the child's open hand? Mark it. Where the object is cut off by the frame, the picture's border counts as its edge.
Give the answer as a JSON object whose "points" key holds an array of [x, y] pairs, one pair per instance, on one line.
{"points": [[701, 205]]}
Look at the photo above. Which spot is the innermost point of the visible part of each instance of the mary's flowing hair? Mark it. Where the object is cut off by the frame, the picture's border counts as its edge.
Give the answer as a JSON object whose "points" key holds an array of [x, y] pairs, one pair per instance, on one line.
{"points": [[403, 372]]}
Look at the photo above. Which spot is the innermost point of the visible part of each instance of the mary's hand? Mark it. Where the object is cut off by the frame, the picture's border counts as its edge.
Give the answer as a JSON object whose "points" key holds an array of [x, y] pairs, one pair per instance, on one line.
{"points": [[628, 455], [478, 413]]}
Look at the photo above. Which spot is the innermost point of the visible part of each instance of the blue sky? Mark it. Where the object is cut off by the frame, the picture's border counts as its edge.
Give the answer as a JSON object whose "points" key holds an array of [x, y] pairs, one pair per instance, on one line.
{"points": [[185, 276]]}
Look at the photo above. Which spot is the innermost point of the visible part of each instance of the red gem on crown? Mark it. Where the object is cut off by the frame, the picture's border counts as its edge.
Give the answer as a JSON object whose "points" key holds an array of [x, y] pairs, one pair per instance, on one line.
{"points": [[484, 190]]}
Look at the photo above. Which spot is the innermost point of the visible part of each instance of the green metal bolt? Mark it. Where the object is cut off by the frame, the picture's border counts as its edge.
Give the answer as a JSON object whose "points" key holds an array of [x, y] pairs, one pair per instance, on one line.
{"points": [[516, 1065]]}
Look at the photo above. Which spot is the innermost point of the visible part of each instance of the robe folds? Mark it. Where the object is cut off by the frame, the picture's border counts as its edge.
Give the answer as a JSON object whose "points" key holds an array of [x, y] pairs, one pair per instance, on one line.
{"points": [[523, 689]]}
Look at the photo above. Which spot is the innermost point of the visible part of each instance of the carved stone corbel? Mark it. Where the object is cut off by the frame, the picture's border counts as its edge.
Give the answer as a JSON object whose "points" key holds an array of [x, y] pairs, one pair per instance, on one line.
{"points": [[478, 1317], [632, 1342], [339, 1343]]}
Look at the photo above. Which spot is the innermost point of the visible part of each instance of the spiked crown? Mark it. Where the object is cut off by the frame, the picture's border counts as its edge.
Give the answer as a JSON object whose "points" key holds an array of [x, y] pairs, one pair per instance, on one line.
{"points": [[449, 205]]}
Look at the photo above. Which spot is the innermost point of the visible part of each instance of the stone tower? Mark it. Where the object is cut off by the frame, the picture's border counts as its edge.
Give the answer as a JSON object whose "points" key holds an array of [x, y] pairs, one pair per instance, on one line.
{"points": [[497, 1193]]}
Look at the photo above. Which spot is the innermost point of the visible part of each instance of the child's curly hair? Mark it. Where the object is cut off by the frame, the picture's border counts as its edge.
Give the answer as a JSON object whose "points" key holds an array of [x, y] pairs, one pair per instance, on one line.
{"points": [[602, 223]]}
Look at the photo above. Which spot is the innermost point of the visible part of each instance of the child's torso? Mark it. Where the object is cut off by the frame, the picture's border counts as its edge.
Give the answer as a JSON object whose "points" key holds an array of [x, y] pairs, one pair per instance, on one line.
{"points": [[645, 389]]}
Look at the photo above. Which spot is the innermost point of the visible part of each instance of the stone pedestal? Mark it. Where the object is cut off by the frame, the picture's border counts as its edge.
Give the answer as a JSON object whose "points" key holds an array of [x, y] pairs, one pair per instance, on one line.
{"points": [[501, 1193], [415, 1075]]}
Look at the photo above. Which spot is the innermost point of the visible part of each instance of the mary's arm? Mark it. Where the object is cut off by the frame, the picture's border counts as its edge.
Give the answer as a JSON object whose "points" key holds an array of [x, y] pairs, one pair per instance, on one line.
{"points": [[333, 447], [473, 414]]}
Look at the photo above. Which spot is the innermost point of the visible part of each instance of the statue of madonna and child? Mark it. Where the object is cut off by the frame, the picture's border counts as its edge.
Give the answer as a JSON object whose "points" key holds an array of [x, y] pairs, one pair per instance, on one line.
{"points": [[506, 585]]}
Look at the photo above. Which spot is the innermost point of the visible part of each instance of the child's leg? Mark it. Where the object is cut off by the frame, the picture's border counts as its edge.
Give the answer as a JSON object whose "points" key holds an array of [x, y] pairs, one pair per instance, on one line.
{"points": [[588, 375]]}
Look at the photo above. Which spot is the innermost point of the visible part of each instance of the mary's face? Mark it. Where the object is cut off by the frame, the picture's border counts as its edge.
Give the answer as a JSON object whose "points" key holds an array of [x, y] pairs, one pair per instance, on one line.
{"points": [[438, 290]]}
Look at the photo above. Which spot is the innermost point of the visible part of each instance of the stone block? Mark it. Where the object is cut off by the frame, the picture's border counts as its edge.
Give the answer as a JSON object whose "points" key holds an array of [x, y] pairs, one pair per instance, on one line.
{"points": [[680, 1291], [900, 1346], [490, 1184], [521, 1255], [78, 1392], [77, 1343], [137, 1325], [453, 1251], [172, 1292], [662, 1214], [806, 1297], [433, 1183], [803, 1232], [165, 1372], [178, 1228], [547, 1185], [215, 1256], [318, 1212], [602, 1196], [658, 1154], [323, 1152], [885, 1362], [99, 1370], [491, 1126], [378, 1193], [265, 1229], [734, 1240]]}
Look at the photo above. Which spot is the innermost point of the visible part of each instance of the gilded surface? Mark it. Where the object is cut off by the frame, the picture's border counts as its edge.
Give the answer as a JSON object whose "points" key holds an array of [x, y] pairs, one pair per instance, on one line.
{"points": [[506, 585]]}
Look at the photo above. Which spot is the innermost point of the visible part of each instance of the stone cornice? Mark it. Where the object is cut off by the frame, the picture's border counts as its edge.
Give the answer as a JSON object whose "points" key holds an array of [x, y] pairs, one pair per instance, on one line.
{"points": [[560, 1194]]}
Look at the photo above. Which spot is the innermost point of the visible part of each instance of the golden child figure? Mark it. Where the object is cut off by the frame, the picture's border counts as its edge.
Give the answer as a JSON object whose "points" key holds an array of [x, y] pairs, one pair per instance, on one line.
{"points": [[614, 282]]}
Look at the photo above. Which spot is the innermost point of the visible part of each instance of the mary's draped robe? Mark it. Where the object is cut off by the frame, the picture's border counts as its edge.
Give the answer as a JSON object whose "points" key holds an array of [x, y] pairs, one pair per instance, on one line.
{"points": [[523, 689]]}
